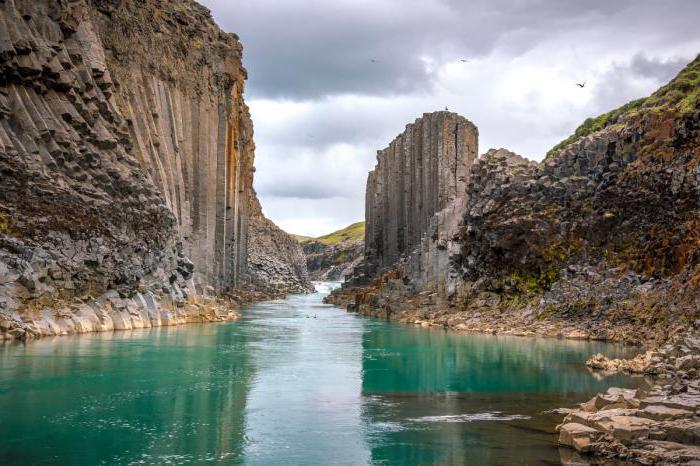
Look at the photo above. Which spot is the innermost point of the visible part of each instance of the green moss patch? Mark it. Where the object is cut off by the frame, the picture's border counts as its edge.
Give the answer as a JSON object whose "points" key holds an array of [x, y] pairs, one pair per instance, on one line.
{"points": [[356, 231]]}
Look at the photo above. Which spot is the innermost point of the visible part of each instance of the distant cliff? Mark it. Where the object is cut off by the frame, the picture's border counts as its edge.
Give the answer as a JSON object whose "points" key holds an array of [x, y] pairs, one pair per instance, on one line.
{"points": [[126, 162], [334, 256], [603, 231]]}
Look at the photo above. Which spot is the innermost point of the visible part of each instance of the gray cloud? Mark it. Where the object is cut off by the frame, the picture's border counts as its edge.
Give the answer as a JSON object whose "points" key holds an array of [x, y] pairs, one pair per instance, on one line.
{"points": [[627, 81], [656, 68], [298, 188], [310, 49]]}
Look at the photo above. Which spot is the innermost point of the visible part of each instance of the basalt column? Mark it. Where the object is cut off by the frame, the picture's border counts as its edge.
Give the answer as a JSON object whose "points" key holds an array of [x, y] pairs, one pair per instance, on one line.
{"points": [[423, 171], [191, 129]]}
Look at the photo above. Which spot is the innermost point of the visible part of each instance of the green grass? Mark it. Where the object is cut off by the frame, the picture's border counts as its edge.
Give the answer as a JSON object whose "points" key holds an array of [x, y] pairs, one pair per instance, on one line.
{"points": [[679, 96], [356, 231], [301, 238]]}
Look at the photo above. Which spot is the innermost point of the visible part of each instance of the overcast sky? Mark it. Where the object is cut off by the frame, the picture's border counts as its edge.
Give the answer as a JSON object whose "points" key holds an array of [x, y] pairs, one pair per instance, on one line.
{"points": [[332, 81]]}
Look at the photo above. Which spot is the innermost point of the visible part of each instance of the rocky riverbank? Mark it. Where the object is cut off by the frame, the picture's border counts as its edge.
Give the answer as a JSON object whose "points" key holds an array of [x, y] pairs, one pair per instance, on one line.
{"points": [[390, 298], [658, 424], [655, 425], [110, 312]]}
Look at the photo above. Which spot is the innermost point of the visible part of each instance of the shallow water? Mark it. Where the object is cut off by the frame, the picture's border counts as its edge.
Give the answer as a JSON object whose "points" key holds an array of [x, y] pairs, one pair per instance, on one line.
{"points": [[283, 387]]}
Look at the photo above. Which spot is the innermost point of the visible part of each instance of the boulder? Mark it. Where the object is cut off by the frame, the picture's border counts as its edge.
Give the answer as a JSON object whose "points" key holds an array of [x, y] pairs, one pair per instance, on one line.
{"points": [[577, 436]]}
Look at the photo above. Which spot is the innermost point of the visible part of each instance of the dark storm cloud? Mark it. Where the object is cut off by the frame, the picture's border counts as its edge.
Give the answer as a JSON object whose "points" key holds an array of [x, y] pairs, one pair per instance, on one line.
{"points": [[309, 49]]}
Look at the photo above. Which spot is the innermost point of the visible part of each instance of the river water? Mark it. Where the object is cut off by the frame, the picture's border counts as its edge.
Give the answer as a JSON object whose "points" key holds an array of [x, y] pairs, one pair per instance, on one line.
{"points": [[294, 382]]}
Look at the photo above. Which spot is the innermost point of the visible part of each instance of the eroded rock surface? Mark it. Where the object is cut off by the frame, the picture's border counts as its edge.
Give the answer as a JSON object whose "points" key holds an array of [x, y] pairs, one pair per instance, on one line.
{"points": [[333, 262], [276, 261]]}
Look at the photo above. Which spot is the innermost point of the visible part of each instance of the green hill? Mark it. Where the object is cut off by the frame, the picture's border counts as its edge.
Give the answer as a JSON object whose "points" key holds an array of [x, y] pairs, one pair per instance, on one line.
{"points": [[356, 231]]}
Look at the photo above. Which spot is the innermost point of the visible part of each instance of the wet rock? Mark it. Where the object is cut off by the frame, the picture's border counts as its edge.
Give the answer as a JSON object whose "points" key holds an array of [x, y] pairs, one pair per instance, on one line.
{"points": [[656, 425]]}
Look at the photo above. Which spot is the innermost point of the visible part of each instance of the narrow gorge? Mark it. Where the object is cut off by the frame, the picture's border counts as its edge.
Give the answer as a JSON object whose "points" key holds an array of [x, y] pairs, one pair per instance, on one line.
{"points": [[484, 298], [127, 170]]}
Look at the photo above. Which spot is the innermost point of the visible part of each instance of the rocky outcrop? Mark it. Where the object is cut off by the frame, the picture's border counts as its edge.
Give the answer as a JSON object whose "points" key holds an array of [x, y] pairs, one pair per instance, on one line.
{"points": [[126, 158], [336, 255], [600, 240], [333, 262], [276, 262], [655, 425], [414, 195]]}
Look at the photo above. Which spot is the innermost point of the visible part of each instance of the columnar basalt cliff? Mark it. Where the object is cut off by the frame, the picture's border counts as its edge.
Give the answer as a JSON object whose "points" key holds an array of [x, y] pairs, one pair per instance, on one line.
{"points": [[599, 240], [413, 193], [181, 93], [126, 163]]}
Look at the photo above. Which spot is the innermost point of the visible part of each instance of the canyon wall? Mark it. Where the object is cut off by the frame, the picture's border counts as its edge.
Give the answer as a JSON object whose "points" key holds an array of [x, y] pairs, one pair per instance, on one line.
{"points": [[333, 262], [418, 183], [275, 260], [181, 94], [126, 163]]}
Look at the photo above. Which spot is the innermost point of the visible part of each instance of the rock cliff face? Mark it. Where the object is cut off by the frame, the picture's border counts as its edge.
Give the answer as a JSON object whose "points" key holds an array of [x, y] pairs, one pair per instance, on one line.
{"points": [[413, 195], [276, 262], [603, 231], [126, 162], [336, 255], [181, 94], [333, 262]]}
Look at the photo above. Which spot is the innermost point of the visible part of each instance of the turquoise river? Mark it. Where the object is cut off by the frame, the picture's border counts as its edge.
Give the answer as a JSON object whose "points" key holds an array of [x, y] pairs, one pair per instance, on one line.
{"points": [[294, 382]]}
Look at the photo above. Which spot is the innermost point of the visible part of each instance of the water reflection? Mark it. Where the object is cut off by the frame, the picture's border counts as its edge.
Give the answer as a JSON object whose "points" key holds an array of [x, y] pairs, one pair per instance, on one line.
{"points": [[304, 403], [436, 397], [166, 394], [293, 382]]}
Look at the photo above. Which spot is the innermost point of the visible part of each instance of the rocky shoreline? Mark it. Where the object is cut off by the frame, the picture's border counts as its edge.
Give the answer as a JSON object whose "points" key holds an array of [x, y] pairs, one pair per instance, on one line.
{"points": [[655, 425], [659, 424], [110, 312], [428, 310]]}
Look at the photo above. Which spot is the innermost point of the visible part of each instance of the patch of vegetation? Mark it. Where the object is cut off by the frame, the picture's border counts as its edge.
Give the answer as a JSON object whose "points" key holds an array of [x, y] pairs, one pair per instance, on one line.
{"points": [[680, 97], [539, 278], [6, 224], [342, 257], [356, 231]]}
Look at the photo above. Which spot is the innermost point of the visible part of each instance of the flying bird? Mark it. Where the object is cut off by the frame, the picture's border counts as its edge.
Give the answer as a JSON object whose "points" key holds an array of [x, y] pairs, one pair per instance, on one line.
{"points": [[374, 61], [581, 85], [464, 60]]}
